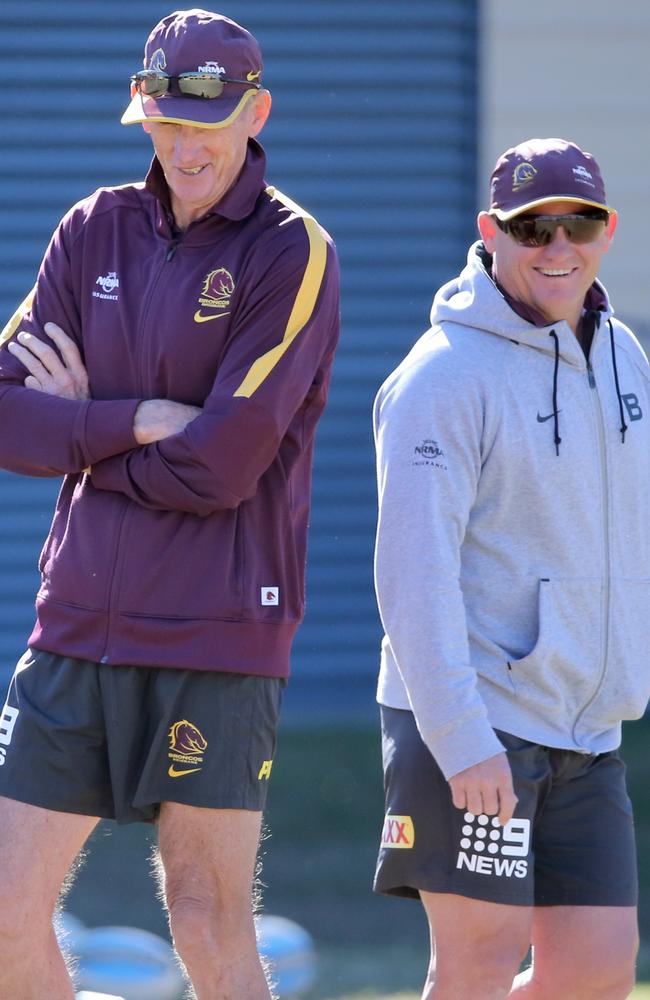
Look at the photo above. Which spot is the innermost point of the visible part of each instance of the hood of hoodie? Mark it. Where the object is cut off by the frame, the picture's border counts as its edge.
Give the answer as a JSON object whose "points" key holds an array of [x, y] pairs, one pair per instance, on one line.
{"points": [[473, 299]]}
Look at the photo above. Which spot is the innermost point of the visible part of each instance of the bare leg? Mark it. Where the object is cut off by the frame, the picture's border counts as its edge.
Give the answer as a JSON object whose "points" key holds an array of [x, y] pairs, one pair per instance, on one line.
{"points": [[208, 858], [38, 849], [580, 953], [476, 947]]}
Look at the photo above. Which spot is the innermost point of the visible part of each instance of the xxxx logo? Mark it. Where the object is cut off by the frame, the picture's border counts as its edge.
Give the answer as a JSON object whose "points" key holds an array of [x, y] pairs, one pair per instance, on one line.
{"points": [[186, 747], [398, 831], [218, 287]]}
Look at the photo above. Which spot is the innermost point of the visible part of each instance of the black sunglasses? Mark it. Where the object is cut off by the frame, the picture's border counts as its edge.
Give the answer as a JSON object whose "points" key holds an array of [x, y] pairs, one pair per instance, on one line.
{"points": [[539, 230], [152, 83]]}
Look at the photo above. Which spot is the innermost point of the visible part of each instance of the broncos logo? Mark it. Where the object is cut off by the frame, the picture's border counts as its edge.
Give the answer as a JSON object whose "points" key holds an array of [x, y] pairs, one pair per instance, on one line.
{"points": [[185, 738], [522, 174], [218, 284], [158, 61]]}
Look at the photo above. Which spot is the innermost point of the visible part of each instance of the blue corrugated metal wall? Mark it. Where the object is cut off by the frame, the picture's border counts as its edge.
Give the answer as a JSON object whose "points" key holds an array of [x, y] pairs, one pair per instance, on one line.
{"points": [[373, 130]]}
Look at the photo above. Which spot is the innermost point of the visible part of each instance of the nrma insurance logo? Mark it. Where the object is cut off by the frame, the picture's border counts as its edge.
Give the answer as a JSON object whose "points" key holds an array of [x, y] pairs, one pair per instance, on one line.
{"points": [[488, 848], [109, 284]]}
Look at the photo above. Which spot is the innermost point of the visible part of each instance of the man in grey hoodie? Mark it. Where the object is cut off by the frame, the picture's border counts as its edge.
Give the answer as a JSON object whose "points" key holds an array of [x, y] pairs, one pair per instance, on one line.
{"points": [[513, 581]]}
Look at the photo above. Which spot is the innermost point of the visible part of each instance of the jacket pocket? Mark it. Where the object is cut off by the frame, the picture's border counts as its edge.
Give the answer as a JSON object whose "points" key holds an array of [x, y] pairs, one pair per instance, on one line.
{"points": [[560, 672], [625, 687], [177, 565]]}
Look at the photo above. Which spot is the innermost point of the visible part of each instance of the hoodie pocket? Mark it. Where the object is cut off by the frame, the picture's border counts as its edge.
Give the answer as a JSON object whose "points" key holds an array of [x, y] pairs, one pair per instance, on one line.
{"points": [[625, 687], [560, 672]]}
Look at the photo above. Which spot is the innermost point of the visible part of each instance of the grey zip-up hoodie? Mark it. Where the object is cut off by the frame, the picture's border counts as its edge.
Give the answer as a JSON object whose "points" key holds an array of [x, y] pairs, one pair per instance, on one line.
{"points": [[513, 544]]}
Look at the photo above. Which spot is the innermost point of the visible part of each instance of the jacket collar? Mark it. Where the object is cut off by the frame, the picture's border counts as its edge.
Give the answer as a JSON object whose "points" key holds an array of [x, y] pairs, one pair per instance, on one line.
{"points": [[236, 204]]}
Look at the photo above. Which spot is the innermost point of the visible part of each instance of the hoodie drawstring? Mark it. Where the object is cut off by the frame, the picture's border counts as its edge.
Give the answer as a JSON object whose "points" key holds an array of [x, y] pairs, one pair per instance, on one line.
{"points": [[623, 426], [556, 421]]}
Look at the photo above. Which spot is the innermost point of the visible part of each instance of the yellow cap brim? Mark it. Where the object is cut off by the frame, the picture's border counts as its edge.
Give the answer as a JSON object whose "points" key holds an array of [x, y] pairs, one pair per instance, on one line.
{"points": [[182, 111]]}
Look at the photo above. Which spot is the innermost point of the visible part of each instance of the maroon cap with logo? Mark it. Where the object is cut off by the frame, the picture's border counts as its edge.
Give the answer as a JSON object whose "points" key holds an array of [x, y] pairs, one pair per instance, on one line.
{"points": [[198, 41], [539, 171]]}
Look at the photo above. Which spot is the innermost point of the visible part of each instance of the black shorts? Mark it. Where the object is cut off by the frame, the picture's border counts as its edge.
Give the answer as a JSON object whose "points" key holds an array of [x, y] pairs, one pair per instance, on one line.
{"points": [[570, 843], [115, 742]]}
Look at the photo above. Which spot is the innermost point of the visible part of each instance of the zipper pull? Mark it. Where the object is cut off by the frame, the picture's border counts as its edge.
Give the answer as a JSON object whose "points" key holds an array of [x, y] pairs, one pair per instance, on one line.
{"points": [[171, 250], [590, 375]]}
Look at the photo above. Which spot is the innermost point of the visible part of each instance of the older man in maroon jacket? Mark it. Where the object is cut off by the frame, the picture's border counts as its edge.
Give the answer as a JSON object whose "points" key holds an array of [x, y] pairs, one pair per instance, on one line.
{"points": [[172, 363]]}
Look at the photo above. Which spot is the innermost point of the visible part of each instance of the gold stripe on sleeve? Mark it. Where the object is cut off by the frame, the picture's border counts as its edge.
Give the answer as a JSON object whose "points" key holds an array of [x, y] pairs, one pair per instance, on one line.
{"points": [[304, 304], [12, 326]]}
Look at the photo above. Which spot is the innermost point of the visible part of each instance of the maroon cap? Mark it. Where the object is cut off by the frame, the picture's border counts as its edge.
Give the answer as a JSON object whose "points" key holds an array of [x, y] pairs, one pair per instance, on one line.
{"points": [[539, 171], [198, 41]]}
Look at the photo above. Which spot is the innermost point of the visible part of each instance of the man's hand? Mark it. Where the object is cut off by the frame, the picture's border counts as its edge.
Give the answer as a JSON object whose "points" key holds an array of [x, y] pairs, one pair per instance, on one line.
{"points": [[486, 788], [47, 372], [156, 419]]}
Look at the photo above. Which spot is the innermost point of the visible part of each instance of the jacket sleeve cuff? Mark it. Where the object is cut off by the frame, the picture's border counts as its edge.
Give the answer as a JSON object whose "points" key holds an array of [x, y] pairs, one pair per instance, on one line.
{"points": [[109, 474], [466, 744], [109, 428]]}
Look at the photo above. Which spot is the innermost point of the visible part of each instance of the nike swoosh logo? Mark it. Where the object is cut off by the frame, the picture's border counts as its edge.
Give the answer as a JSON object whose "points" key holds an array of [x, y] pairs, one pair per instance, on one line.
{"points": [[173, 773], [250, 76], [542, 420], [200, 318]]}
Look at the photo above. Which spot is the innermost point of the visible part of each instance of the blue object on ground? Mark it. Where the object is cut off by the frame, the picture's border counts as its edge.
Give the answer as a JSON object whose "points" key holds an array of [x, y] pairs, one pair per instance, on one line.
{"points": [[289, 949]]}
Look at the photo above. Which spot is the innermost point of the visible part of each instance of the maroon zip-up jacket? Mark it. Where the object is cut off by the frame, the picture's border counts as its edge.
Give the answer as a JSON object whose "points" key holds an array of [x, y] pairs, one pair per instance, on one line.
{"points": [[189, 552]]}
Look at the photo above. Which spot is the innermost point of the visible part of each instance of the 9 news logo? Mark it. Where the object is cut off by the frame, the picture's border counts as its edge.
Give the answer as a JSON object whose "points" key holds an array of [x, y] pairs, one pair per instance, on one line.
{"points": [[7, 723], [487, 848]]}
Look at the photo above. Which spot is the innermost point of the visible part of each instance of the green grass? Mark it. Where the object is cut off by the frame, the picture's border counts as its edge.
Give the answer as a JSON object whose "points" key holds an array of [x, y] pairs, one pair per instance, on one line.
{"points": [[324, 815]]}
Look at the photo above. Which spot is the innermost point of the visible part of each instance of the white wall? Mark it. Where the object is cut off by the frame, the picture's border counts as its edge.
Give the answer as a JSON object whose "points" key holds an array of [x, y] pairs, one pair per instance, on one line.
{"points": [[578, 69]]}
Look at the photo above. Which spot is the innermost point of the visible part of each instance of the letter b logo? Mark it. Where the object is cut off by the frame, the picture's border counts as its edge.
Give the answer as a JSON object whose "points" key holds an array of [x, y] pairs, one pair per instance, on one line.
{"points": [[631, 401]]}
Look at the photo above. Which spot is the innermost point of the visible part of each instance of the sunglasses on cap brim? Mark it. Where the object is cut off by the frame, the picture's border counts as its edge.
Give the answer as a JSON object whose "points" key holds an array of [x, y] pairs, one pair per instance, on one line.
{"points": [[151, 83], [540, 230]]}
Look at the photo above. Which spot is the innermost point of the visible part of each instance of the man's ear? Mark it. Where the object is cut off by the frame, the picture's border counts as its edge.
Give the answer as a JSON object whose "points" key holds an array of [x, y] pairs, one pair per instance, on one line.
{"points": [[487, 228], [147, 127], [612, 223], [261, 109]]}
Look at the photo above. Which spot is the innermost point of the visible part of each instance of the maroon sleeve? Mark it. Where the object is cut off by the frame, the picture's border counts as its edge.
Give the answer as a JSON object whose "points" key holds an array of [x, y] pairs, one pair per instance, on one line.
{"points": [[44, 435], [278, 358]]}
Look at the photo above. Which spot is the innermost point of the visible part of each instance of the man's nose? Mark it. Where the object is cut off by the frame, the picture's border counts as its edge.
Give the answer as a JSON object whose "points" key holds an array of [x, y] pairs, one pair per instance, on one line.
{"points": [[186, 143], [560, 239]]}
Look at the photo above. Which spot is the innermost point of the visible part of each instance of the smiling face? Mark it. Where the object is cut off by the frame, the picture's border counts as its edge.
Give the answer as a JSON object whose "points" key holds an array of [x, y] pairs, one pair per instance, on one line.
{"points": [[202, 164], [553, 279]]}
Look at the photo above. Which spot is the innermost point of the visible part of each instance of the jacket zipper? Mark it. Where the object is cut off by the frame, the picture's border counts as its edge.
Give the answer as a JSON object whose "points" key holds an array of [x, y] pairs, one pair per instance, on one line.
{"points": [[606, 547], [111, 589], [169, 253]]}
